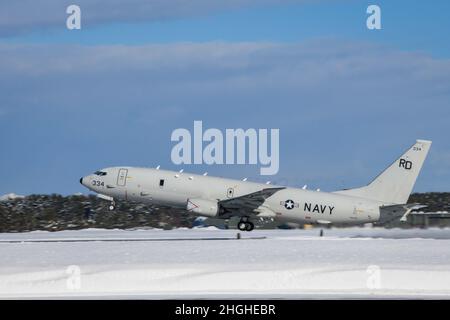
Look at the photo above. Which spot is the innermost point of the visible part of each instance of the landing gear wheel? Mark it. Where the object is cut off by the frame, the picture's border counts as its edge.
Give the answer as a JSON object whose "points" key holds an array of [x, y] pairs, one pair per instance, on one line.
{"points": [[249, 226], [245, 225], [242, 226], [112, 206]]}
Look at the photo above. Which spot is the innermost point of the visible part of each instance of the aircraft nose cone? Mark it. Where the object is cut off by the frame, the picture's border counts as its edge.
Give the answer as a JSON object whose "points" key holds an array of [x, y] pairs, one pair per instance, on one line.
{"points": [[81, 180]]}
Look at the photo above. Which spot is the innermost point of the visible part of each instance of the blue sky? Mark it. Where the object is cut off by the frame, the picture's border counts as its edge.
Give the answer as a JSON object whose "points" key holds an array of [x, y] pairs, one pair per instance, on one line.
{"points": [[347, 100]]}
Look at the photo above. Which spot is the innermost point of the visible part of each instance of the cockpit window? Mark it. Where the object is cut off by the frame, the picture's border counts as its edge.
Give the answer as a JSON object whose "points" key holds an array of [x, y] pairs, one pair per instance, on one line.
{"points": [[100, 173]]}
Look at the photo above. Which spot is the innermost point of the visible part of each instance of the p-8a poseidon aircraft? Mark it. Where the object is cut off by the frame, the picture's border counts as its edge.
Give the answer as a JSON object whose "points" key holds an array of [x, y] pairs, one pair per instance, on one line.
{"points": [[382, 200]]}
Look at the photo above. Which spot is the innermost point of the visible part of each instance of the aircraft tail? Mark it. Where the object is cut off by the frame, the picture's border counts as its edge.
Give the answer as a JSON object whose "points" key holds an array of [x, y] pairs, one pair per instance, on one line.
{"points": [[394, 185]]}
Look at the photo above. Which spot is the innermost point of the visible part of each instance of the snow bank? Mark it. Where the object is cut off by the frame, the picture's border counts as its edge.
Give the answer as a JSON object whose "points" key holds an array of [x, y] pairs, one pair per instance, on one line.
{"points": [[10, 196]]}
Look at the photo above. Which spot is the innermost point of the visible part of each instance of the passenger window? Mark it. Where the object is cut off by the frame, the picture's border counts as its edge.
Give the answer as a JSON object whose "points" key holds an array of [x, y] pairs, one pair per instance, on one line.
{"points": [[161, 183]]}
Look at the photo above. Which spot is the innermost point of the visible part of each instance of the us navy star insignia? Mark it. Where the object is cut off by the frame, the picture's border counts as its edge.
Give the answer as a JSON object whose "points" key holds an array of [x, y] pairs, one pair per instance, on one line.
{"points": [[289, 204]]}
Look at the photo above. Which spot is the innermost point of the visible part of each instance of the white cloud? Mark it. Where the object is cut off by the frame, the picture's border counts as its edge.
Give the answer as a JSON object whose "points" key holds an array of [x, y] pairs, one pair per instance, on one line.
{"points": [[297, 72]]}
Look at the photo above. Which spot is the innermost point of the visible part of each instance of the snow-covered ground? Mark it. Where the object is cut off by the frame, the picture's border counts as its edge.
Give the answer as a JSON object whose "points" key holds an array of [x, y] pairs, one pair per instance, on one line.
{"points": [[210, 263]]}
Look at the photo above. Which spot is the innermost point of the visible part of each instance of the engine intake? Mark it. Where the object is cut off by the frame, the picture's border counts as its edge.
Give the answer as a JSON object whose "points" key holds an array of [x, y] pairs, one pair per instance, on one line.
{"points": [[203, 207]]}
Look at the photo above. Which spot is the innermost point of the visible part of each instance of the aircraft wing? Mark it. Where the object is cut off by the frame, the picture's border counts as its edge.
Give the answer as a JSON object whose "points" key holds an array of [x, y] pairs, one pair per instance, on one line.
{"points": [[246, 204]]}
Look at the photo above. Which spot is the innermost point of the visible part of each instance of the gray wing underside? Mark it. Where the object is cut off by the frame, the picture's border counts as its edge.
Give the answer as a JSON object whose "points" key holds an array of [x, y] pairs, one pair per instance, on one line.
{"points": [[246, 204]]}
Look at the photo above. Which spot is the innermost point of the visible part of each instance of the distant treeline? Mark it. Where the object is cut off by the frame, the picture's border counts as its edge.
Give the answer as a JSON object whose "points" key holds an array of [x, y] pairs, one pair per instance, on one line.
{"points": [[436, 201], [56, 212]]}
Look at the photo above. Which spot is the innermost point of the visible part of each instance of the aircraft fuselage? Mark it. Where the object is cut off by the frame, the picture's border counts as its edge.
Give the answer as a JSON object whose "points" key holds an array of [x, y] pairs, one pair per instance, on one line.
{"points": [[175, 189]]}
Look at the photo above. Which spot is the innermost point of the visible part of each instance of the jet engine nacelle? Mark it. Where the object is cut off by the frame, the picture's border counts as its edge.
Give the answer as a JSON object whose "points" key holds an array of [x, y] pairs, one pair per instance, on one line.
{"points": [[203, 207]]}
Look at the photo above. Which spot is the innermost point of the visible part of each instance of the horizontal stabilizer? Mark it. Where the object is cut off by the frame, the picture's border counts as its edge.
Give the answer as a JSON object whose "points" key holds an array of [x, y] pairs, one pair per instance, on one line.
{"points": [[397, 212]]}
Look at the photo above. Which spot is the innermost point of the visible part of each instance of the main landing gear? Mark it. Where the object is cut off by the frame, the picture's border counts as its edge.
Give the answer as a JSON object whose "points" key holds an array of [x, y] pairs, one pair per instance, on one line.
{"points": [[245, 225]]}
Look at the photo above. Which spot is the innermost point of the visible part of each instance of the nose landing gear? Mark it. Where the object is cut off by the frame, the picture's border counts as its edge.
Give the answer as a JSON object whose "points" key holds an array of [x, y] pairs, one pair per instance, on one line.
{"points": [[245, 225], [112, 206]]}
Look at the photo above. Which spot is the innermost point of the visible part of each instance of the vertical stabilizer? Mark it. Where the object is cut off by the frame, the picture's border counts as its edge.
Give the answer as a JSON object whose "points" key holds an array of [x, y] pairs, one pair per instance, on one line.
{"points": [[394, 185]]}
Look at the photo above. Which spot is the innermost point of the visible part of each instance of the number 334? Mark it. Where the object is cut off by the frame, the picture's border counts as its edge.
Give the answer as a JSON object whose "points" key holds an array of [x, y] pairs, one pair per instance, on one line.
{"points": [[98, 183]]}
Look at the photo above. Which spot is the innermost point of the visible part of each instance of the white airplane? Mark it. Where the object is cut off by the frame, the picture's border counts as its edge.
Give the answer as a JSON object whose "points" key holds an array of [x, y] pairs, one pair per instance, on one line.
{"points": [[382, 200]]}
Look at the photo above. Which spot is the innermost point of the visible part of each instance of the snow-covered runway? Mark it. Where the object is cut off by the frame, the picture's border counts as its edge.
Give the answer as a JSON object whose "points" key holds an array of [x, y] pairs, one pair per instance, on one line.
{"points": [[210, 263]]}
